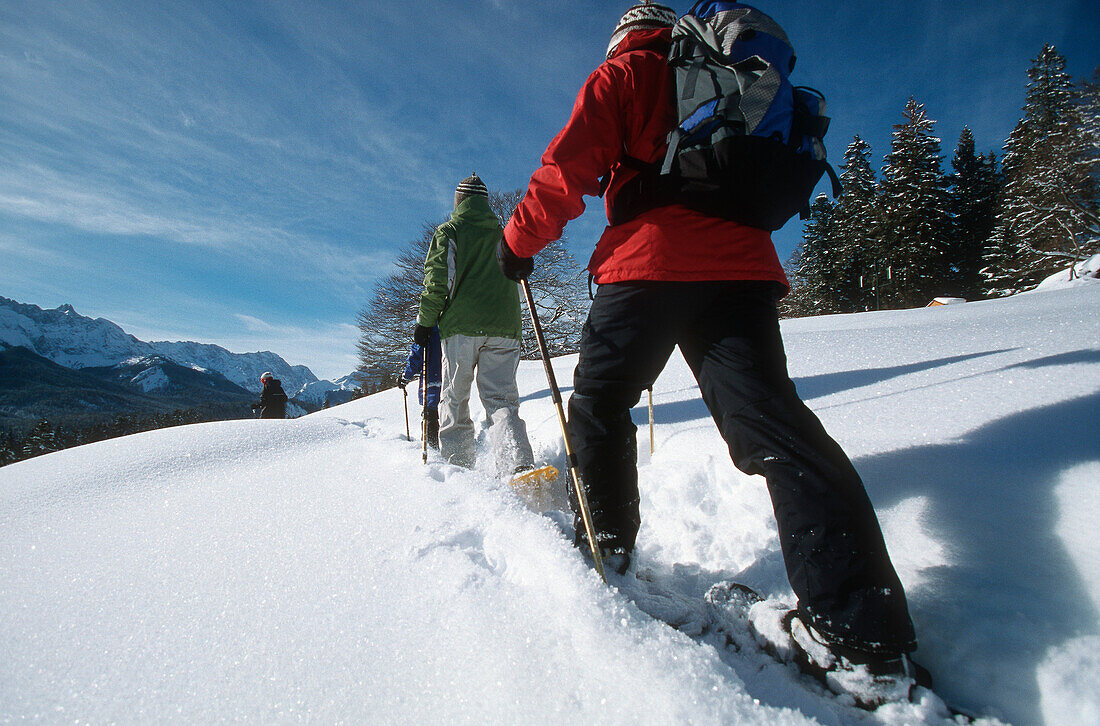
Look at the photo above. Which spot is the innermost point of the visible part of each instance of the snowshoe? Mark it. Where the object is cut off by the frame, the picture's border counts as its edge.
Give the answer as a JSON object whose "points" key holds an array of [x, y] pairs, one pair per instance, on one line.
{"points": [[870, 679], [750, 621], [533, 485]]}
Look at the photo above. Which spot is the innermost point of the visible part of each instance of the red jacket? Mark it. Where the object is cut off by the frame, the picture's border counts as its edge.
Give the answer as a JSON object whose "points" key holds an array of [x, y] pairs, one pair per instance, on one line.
{"points": [[626, 106]]}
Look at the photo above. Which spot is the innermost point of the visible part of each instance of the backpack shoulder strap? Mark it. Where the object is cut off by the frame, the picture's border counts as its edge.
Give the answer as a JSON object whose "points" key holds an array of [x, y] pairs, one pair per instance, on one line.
{"points": [[838, 189]]}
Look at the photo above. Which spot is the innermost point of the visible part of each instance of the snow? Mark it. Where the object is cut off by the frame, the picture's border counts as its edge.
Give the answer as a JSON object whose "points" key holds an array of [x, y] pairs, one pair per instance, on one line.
{"points": [[314, 569], [317, 391], [151, 379], [244, 369], [138, 360], [1067, 682], [1086, 272]]}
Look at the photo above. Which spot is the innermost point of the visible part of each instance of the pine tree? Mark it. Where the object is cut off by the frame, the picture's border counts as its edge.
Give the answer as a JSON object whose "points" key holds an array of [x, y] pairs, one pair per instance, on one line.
{"points": [[1090, 122], [812, 271], [8, 452], [974, 199], [1089, 218], [915, 212], [42, 439], [857, 230], [1049, 189]]}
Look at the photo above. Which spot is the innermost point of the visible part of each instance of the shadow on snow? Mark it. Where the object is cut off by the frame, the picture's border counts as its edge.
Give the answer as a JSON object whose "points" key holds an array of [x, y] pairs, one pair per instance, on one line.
{"points": [[992, 504]]}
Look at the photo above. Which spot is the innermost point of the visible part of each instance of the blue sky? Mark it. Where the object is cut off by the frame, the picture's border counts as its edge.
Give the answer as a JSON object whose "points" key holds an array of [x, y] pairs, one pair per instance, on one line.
{"points": [[242, 173]]}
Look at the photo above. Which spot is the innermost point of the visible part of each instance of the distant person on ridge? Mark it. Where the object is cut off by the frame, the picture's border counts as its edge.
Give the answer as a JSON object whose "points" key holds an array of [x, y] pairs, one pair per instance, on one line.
{"points": [[427, 394], [477, 311], [674, 276], [273, 399]]}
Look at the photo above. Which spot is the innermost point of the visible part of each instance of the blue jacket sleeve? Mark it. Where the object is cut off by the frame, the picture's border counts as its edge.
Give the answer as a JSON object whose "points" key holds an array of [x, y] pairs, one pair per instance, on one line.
{"points": [[415, 363]]}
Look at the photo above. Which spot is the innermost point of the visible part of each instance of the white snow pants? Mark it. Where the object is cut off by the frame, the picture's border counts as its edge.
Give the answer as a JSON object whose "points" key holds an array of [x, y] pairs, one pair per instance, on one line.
{"points": [[494, 362]]}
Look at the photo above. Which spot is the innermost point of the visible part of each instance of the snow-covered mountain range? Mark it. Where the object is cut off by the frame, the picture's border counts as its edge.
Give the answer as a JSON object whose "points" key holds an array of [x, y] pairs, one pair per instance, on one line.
{"points": [[70, 339], [329, 393]]}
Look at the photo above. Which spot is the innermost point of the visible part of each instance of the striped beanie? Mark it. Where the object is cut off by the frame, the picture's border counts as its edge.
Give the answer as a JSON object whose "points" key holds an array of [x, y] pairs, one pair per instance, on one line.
{"points": [[471, 186], [643, 16]]}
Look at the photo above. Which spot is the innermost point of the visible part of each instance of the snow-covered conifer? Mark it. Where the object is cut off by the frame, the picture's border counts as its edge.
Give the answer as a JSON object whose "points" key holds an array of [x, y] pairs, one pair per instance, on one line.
{"points": [[812, 269], [858, 230], [1089, 215], [974, 197], [42, 439], [915, 212], [1049, 188], [7, 448]]}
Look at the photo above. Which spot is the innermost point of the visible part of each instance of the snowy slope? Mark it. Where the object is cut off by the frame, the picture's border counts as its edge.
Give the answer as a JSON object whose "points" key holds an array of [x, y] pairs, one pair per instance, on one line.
{"points": [[314, 569]]}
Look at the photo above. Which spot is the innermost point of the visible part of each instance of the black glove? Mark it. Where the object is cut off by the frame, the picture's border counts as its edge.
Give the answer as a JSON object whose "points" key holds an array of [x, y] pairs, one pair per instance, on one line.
{"points": [[421, 335], [513, 266], [402, 381]]}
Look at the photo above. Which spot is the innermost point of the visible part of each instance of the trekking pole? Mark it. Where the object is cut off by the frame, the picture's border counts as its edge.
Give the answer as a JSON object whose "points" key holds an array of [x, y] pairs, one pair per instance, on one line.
{"points": [[424, 413], [555, 394], [651, 420], [408, 434]]}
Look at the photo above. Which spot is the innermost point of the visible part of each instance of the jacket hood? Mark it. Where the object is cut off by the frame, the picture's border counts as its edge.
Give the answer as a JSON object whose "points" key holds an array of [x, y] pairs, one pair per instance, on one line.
{"points": [[475, 210], [657, 39]]}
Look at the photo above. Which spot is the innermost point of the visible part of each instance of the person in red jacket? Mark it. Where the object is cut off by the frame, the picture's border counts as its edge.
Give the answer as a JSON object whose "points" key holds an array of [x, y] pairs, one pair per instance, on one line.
{"points": [[675, 277]]}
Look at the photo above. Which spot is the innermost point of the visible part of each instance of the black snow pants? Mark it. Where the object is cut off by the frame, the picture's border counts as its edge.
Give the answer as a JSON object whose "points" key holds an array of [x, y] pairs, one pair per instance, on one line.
{"points": [[728, 332]]}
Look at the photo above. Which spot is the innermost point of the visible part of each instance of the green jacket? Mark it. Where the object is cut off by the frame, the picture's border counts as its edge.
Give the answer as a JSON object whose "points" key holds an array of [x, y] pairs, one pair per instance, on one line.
{"points": [[465, 292]]}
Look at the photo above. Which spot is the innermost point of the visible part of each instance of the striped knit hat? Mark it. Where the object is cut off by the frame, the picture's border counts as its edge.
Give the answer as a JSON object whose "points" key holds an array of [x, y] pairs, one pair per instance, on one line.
{"points": [[469, 187], [643, 16]]}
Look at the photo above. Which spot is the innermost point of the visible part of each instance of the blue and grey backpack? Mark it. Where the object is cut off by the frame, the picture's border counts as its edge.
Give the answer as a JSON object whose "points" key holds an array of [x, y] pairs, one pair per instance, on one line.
{"points": [[748, 146]]}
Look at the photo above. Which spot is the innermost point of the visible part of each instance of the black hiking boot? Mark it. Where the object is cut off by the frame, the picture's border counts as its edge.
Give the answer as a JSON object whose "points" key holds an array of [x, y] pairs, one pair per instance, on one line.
{"points": [[870, 678], [616, 559]]}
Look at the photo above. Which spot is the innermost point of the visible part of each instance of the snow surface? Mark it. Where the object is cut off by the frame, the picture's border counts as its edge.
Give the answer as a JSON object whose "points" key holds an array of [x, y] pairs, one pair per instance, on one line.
{"points": [[1085, 272], [315, 570]]}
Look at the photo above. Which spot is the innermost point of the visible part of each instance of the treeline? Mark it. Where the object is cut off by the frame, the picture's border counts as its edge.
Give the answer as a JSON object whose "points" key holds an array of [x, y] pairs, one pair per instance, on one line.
{"points": [[45, 436], [984, 230]]}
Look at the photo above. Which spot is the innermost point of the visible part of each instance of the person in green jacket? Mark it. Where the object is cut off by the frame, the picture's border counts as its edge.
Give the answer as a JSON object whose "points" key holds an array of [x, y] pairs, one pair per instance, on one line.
{"points": [[477, 311]]}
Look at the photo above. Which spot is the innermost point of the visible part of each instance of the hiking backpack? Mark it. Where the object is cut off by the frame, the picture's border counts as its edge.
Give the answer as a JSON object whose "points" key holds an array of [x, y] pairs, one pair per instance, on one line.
{"points": [[747, 145]]}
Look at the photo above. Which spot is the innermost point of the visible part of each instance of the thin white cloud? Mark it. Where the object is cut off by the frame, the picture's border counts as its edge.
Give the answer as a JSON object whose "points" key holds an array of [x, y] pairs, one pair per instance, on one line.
{"points": [[19, 255], [254, 324], [142, 144]]}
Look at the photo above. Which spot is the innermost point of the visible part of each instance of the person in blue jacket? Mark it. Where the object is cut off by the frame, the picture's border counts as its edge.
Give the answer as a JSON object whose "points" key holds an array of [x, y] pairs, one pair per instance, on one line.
{"points": [[413, 368]]}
